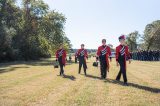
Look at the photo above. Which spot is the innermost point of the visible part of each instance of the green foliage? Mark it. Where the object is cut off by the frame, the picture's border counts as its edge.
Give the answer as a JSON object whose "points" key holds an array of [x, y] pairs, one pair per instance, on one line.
{"points": [[152, 35], [30, 32], [132, 40], [150, 39]]}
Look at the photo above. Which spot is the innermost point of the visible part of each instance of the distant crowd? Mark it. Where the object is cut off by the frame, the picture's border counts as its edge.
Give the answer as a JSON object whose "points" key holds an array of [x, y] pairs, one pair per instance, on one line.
{"points": [[144, 55]]}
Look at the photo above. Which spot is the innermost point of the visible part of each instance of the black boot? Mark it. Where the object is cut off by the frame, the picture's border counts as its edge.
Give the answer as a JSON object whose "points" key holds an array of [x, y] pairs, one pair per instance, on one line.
{"points": [[117, 79], [125, 84], [85, 72]]}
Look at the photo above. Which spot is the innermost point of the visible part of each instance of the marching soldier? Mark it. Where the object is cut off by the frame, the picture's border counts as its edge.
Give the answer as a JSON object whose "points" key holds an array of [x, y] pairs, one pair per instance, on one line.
{"points": [[82, 56], [150, 55], [103, 54], [145, 55], [158, 55], [122, 52], [139, 55], [70, 58], [75, 57], [61, 58]]}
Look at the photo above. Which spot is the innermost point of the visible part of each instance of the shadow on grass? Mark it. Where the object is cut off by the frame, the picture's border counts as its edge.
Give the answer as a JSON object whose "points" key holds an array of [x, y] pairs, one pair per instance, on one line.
{"points": [[142, 87], [5, 67], [42, 62], [71, 77], [45, 63], [94, 77], [11, 69], [32, 63]]}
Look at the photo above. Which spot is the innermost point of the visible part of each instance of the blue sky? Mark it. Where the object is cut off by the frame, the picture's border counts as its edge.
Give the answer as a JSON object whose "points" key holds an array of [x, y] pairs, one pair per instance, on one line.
{"points": [[89, 21]]}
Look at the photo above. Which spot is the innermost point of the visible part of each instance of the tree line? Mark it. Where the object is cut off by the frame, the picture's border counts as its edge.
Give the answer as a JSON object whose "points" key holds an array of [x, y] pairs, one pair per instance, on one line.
{"points": [[31, 31], [150, 40]]}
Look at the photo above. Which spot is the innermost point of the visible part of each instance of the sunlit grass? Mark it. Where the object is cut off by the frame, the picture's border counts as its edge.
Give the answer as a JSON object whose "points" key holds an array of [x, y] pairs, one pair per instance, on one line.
{"points": [[37, 83]]}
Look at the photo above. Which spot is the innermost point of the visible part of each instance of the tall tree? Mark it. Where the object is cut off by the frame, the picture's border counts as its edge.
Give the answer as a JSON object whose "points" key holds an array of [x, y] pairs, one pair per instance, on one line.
{"points": [[132, 40], [8, 17], [152, 35], [30, 32]]}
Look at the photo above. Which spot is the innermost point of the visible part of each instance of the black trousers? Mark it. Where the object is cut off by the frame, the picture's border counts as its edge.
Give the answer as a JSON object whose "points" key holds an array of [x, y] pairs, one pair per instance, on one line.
{"points": [[82, 62], [122, 71], [75, 59], [61, 65], [104, 66]]}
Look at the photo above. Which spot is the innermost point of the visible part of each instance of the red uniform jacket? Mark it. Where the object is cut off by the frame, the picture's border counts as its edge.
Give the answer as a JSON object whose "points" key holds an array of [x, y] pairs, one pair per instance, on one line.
{"points": [[84, 52], [108, 53], [126, 53], [61, 52]]}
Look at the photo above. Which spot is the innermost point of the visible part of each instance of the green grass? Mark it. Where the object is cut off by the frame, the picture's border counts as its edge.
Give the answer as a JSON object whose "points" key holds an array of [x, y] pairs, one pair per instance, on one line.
{"points": [[36, 83]]}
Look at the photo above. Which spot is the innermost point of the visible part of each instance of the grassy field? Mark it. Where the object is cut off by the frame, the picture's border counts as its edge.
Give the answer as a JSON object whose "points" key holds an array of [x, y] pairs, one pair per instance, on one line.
{"points": [[37, 83]]}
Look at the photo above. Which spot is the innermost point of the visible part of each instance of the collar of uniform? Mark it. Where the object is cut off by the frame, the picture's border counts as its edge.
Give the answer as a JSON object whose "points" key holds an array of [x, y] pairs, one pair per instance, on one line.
{"points": [[104, 46], [122, 45]]}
